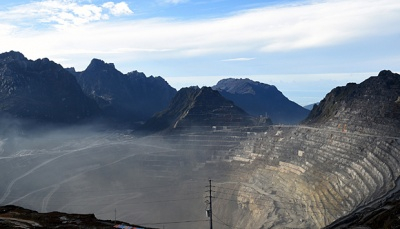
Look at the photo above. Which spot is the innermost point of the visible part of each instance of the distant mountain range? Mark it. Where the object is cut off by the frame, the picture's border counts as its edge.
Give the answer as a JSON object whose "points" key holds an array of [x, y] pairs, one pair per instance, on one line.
{"points": [[261, 99], [43, 90], [126, 98]]}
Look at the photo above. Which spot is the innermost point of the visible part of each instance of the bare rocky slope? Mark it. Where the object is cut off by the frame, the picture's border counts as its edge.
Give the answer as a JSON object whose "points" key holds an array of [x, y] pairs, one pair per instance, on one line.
{"points": [[344, 156], [199, 107]]}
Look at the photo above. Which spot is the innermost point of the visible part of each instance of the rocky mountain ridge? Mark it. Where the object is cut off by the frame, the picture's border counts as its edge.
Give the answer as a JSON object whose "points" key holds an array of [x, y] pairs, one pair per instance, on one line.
{"points": [[261, 99], [375, 102], [128, 98], [198, 107], [41, 90]]}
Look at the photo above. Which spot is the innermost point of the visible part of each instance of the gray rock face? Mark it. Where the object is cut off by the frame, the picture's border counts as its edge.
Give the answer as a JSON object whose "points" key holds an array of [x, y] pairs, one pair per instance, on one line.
{"points": [[259, 99], [41, 90], [373, 104], [130, 98]]}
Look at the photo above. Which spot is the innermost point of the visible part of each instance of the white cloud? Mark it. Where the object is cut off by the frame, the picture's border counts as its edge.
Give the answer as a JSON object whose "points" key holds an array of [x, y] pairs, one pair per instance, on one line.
{"points": [[118, 9], [175, 1], [266, 30], [61, 13]]}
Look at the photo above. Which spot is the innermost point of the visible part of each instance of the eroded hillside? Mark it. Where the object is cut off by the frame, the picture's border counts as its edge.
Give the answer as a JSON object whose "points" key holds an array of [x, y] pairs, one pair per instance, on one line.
{"points": [[308, 176]]}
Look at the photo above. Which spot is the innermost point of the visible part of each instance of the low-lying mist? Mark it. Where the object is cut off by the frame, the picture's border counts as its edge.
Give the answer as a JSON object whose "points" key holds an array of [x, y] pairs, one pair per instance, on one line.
{"points": [[92, 169]]}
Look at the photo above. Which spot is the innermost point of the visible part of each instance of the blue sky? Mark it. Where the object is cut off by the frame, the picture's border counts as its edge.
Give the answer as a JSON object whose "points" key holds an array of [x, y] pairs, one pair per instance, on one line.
{"points": [[304, 47]]}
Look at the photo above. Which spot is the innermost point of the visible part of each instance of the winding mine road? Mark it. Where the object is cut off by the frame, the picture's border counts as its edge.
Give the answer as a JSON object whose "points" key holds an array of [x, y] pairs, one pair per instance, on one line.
{"points": [[335, 131]]}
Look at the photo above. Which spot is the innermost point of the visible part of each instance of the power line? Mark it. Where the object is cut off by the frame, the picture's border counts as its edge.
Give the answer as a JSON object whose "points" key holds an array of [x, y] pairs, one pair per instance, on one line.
{"points": [[154, 189], [223, 223], [209, 211], [145, 202], [175, 222]]}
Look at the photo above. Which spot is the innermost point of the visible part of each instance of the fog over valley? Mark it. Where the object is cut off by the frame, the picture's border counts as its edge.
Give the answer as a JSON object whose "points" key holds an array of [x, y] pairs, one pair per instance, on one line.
{"points": [[82, 170]]}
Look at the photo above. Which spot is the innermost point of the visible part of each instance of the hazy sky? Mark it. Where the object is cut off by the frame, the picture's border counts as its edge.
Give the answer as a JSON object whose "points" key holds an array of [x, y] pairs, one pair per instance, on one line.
{"points": [[305, 48]]}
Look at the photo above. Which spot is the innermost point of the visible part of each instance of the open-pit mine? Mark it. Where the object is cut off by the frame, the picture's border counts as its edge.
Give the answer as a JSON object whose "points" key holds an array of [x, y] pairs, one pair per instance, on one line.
{"points": [[343, 157]]}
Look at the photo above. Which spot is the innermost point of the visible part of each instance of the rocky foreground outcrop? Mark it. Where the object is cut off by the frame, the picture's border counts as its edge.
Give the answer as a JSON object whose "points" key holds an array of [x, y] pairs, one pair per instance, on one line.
{"points": [[17, 217]]}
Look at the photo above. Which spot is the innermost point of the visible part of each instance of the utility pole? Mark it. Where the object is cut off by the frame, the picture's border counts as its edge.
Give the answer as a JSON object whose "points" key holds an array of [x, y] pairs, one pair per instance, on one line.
{"points": [[210, 209]]}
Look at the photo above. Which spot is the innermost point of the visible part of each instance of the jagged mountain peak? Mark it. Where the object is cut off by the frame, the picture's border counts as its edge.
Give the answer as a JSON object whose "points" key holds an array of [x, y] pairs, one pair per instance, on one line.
{"points": [[194, 107], [137, 74], [12, 55], [100, 65], [20, 61], [385, 73], [205, 96], [71, 70], [374, 101], [140, 76], [124, 98], [41, 90]]}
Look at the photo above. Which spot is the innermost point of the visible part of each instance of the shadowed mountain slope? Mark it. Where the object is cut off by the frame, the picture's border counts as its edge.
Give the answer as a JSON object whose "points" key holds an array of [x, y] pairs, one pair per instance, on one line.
{"points": [[41, 90], [260, 99], [128, 98], [195, 106]]}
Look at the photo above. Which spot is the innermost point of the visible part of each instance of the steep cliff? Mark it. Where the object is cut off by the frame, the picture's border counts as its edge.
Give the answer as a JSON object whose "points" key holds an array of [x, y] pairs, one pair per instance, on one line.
{"points": [[41, 90]]}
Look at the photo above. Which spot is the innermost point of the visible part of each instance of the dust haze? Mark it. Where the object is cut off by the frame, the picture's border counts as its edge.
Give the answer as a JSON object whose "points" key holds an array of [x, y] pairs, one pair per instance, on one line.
{"points": [[92, 169]]}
